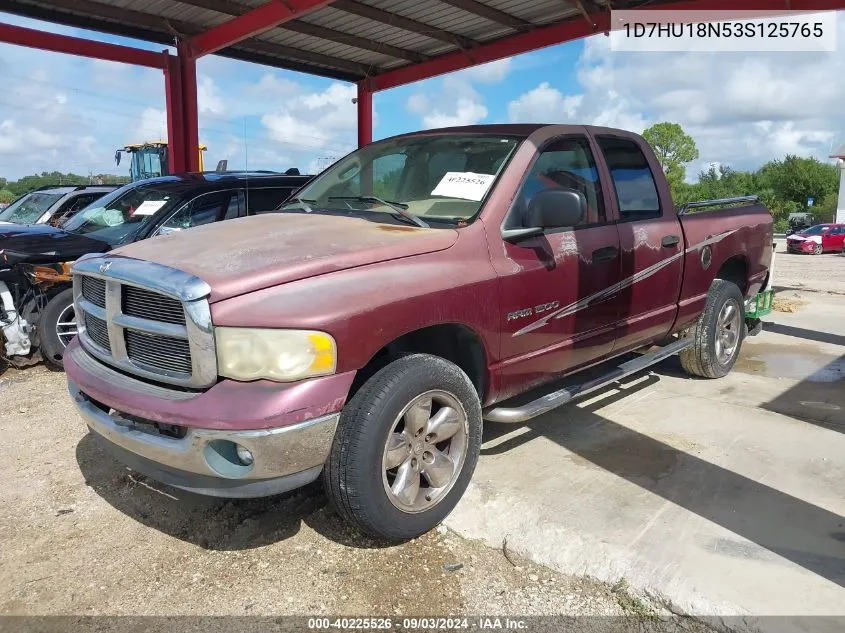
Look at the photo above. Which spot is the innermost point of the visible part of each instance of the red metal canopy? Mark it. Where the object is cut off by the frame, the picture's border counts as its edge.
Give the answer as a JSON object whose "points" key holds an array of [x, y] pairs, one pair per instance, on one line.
{"points": [[378, 44]]}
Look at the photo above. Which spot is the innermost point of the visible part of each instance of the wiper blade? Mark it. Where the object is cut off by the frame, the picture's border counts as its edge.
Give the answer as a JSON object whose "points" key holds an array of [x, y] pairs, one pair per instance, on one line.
{"points": [[400, 207], [304, 203]]}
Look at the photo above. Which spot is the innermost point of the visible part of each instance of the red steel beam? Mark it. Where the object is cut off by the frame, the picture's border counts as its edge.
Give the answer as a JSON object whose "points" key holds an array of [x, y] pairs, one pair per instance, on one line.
{"points": [[252, 23], [32, 38], [506, 47], [365, 114], [175, 108], [190, 117], [568, 31]]}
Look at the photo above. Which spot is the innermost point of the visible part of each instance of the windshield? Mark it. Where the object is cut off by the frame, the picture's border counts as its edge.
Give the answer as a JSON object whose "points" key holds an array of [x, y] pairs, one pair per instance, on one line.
{"points": [[814, 230], [29, 208], [119, 216], [439, 178]]}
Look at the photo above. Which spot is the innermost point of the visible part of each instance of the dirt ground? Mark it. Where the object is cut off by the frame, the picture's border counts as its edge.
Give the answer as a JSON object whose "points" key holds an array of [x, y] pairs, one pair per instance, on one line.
{"points": [[82, 535], [815, 273]]}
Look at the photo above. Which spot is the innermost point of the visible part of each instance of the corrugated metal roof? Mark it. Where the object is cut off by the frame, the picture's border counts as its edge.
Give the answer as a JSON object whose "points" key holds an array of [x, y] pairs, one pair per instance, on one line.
{"points": [[346, 39]]}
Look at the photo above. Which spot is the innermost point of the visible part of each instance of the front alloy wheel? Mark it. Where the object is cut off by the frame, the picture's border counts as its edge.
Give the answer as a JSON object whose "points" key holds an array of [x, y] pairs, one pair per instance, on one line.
{"points": [[405, 447], [425, 451]]}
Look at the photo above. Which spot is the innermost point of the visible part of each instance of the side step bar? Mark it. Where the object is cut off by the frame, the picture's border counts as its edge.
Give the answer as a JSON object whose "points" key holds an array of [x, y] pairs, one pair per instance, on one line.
{"points": [[562, 396]]}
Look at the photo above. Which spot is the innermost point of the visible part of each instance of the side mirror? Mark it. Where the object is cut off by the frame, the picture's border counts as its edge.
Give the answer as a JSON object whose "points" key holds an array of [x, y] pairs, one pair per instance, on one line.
{"points": [[556, 208]]}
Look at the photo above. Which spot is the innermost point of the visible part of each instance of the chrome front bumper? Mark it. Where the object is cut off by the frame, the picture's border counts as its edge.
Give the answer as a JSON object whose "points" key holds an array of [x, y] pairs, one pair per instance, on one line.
{"points": [[205, 461]]}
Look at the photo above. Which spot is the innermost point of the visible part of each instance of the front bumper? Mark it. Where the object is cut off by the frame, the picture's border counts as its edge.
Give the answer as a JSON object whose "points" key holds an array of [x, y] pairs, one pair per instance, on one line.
{"points": [[800, 246], [204, 460]]}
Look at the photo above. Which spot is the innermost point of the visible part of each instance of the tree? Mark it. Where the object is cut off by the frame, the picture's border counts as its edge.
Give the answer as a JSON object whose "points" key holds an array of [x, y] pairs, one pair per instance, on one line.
{"points": [[6, 196], [796, 179], [674, 148]]}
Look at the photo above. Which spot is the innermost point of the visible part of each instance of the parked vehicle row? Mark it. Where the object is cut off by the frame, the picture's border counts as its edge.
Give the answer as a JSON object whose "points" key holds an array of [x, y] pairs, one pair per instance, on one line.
{"points": [[35, 284], [419, 285]]}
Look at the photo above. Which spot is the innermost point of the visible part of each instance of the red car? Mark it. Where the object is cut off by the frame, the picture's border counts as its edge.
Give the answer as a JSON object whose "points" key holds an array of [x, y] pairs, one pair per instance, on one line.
{"points": [[818, 239], [418, 285]]}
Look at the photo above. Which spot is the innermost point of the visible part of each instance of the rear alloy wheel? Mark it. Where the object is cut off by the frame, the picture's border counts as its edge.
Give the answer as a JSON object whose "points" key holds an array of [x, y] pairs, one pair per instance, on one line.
{"points": [[405, 448], [718, 333]]}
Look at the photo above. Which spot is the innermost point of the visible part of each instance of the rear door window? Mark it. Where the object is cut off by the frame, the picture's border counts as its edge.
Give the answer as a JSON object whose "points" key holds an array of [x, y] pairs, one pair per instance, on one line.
{"points": [[633, 181]]}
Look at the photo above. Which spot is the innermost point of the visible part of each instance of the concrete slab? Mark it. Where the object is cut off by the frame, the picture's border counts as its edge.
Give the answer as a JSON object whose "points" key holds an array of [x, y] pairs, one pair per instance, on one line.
{"points": [[721, 498]]}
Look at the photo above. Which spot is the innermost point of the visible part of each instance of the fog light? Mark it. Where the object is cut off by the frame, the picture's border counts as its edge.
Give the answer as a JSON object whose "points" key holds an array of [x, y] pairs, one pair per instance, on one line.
{"points": [[244, 455]]}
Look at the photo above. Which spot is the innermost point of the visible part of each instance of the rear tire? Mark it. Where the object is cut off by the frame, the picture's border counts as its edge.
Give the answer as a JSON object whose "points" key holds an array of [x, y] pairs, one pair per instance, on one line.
{"points": [[718, 333], [53, 334], [377, 474]]}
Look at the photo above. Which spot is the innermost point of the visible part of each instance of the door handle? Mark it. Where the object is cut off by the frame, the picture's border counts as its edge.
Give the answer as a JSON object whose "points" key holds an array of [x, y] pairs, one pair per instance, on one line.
{"points": [[670, 240], [605, 254]]}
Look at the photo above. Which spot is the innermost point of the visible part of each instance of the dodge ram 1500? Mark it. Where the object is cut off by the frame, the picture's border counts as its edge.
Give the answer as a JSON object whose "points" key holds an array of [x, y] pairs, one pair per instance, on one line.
{"points": [[415, 288]]}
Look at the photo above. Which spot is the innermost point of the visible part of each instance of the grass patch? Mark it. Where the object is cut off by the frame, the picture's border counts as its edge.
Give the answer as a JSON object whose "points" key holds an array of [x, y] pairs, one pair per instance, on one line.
{"points": [[631, 604]]}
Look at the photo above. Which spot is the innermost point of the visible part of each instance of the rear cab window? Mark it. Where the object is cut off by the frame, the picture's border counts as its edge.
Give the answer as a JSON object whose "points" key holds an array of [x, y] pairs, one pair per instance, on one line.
{"points": [[633, 180]]}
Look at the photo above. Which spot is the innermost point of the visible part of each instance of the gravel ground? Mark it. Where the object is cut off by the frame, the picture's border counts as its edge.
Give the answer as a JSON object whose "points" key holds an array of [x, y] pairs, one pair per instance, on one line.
{"points": [[81, 535], [814, 273]]}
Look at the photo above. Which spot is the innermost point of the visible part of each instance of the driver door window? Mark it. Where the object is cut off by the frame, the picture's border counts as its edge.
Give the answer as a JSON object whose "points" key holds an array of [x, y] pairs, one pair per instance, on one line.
{"points": [[565, 164], [205, 209]]}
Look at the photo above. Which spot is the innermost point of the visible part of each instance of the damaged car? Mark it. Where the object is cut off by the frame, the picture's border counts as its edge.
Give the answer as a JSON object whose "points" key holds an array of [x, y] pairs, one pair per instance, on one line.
{"points": [[37, 319]]}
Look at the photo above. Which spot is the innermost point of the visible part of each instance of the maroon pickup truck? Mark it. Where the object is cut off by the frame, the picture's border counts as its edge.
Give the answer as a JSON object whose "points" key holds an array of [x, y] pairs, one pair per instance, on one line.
{"points": [[416, 287]]}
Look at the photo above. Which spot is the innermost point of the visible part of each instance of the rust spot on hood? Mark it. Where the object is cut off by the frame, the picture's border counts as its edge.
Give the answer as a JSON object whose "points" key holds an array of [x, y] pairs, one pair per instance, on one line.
{"points": [[396, 229]]}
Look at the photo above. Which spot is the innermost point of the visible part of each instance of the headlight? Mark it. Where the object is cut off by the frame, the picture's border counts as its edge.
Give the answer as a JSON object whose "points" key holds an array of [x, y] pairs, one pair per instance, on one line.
{"points": [[283, 355]]}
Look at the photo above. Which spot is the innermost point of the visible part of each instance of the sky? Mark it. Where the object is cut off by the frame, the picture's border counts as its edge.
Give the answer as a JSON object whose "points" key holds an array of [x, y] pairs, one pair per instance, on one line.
{"points": [[65, 113]]}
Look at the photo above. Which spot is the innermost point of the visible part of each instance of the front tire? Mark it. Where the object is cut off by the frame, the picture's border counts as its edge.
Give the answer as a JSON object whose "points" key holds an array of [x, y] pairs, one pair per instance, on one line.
{"points": [[718, 333], [405, 448], [56, 328], [818, 249]]}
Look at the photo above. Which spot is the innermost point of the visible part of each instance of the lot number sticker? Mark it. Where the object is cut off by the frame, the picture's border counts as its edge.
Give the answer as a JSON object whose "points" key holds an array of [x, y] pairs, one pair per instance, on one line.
{"points": [[463, 184], [148, 207]]}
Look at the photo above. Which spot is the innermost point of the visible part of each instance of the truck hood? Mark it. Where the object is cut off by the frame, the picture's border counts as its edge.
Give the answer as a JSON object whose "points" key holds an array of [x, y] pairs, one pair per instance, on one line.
{"points": [[248, 254], [43, 244]]}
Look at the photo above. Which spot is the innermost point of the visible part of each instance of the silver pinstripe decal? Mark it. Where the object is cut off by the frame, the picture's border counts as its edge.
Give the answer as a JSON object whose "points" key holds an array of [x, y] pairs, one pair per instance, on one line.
{"points": [[603, 294]]}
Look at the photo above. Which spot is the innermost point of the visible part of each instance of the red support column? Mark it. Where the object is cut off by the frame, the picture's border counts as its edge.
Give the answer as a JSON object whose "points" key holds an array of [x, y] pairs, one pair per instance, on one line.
{"points": [[190, 118], [175, 125], [365, 114]]}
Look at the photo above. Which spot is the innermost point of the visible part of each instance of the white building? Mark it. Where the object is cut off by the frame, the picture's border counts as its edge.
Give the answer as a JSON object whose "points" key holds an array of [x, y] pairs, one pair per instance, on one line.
{"points": [[839, 154]]}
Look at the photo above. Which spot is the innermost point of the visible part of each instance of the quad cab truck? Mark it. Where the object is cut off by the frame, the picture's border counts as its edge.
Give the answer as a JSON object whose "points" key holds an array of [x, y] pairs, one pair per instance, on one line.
{"points": [[417, 287]]}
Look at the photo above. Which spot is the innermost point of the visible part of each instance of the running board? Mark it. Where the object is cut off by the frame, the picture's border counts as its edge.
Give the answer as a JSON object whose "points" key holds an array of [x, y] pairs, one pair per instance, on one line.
{"points": [[557, 398]]}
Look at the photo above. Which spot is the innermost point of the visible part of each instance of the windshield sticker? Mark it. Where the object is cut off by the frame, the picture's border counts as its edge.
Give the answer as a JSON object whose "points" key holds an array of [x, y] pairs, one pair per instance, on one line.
{"points": [[148, 207], [463, 184]]}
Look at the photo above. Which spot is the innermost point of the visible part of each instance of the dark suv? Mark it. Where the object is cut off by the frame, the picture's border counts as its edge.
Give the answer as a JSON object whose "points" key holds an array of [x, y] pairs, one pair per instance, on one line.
{"points": [[53, 204], [35, 288]]}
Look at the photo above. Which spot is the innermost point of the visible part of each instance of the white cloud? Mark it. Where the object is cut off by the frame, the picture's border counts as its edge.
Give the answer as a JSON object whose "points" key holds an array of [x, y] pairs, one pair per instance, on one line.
{"points": [[457, 102], [152, 126], [316, 119], [491, 72], [207, 99], [467, 112], [544, 104], [741, 108]]}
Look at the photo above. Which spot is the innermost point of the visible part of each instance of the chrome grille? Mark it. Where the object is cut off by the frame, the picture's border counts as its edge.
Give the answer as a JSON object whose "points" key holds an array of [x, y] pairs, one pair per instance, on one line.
{"points": [[146, 319], [97, 331], [145, 304], [94, 290], [172, 354]]}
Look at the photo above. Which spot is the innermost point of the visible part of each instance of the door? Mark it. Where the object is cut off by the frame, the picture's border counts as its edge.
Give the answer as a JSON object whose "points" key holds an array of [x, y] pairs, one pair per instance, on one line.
{"points": [[557, 315], [834, 239], [651, 242]]}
